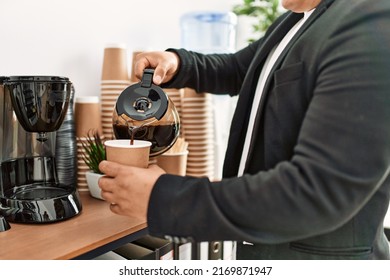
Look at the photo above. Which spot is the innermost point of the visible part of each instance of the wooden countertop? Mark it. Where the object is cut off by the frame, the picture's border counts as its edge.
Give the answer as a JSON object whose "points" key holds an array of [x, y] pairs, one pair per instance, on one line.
{"points": [[94, 227]]}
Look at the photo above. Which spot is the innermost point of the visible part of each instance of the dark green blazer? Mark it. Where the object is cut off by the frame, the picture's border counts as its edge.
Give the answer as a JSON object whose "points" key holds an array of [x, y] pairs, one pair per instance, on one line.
{"points": [[316, 183]]}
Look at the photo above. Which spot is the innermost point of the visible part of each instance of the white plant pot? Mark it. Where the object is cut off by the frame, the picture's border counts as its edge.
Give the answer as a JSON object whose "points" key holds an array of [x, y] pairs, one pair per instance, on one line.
{"points": [[93, 186]]}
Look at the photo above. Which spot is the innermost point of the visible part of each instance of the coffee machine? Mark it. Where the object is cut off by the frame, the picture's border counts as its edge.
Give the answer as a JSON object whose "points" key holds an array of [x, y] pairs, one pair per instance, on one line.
{"points": [[32, 109]]}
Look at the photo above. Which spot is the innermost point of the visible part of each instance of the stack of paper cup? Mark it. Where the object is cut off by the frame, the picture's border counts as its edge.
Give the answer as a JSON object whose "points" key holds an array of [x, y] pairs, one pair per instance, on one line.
{"points": [[176, 96], [115, 63], [87, 115], [110, 90], [197, 122], [82, 167], [115, 78], [174, 161], [87, 120], [133, 79]]}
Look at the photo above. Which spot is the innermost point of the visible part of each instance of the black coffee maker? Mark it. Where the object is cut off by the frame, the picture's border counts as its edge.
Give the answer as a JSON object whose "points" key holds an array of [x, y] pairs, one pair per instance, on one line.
{"points": [[32, 109]]}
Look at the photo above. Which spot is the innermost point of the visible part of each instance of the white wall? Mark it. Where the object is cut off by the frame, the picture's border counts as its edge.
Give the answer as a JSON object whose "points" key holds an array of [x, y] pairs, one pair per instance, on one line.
{"points": [[67, 38]]}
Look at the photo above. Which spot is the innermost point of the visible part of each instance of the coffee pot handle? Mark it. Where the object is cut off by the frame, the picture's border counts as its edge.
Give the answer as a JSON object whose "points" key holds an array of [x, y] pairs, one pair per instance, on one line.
{"points": [[147, 78]]}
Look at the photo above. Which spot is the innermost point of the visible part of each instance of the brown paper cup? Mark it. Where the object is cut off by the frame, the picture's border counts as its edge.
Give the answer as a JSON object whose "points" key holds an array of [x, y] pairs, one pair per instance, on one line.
{"points": [[122, 152], [115, 63], [87, 115], [173, 163], [132, 75]]}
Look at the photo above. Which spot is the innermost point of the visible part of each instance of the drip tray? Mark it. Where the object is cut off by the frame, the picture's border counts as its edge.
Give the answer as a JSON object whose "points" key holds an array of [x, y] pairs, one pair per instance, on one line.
{"points": [[41, 204], [39, 192]]}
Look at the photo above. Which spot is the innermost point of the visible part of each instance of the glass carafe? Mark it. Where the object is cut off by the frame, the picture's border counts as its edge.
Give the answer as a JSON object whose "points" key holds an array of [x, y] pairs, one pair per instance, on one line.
{"points": [[143, 111]]}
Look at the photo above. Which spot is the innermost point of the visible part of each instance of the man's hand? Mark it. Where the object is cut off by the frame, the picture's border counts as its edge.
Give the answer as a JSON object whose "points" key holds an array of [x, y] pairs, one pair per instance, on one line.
{"points": [[128, 188], [165, 65]]}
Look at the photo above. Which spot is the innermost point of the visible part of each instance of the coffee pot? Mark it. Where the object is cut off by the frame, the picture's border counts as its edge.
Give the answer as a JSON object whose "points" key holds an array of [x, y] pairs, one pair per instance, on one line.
{"points": [[32, 109], [143, 111]]}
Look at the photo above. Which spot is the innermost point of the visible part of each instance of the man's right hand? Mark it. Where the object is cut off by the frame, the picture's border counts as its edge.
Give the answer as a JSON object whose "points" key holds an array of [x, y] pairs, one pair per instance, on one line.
{"points": [[165, 65]]}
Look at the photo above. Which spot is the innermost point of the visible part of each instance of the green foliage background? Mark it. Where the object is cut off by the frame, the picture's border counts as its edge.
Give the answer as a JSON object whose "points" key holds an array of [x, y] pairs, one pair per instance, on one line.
{"points": [[266, 11]]}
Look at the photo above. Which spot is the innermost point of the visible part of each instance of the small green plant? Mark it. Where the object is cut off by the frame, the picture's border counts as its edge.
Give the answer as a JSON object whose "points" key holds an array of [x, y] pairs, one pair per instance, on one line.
{"points": [[94, 151], [265, 11]]}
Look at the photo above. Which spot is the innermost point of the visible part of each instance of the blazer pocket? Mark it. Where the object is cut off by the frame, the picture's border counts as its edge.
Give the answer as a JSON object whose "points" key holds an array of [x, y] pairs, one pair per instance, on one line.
{"points": [[336, 252], [288, 73]]}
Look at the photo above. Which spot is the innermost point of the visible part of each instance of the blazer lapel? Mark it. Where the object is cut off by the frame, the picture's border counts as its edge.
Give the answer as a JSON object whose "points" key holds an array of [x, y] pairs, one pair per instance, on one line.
{"points": [[275, 37], [249, 87], [308, 22], [317, 13], [241, 116], [246, 95]]}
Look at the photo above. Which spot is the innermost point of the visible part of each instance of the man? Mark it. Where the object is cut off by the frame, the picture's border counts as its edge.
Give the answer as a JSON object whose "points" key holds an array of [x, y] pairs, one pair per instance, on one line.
{"points": [[306, 173]]}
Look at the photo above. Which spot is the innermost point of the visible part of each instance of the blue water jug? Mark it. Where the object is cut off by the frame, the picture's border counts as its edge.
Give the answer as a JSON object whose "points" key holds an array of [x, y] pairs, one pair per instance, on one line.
{"points": [[209, 32]]}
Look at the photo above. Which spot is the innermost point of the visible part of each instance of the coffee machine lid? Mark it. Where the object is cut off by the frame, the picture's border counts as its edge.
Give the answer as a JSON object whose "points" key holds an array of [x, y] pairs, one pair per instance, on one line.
{"points": [[143, 100], [2, 79], [37, 78]]}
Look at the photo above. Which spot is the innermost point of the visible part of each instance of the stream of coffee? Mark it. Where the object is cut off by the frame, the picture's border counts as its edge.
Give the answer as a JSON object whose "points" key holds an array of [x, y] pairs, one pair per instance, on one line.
{"points": [[161, 136], [132, 131]]}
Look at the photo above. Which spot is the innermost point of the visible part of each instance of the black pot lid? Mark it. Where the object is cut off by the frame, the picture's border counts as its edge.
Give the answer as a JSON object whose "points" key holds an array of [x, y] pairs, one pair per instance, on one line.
{"points": [[3, 79], [143, 100], [37, 79]]}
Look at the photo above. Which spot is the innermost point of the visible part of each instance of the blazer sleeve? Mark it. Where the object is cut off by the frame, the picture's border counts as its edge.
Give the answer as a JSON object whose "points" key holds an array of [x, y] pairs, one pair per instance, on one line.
{"points": [[217, 73], [213, 73], [340, 161]]}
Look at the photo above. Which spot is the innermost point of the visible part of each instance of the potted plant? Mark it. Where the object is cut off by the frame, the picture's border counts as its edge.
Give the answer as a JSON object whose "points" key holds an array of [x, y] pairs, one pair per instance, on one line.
{"points": [[93, 153], [264, 11]]}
